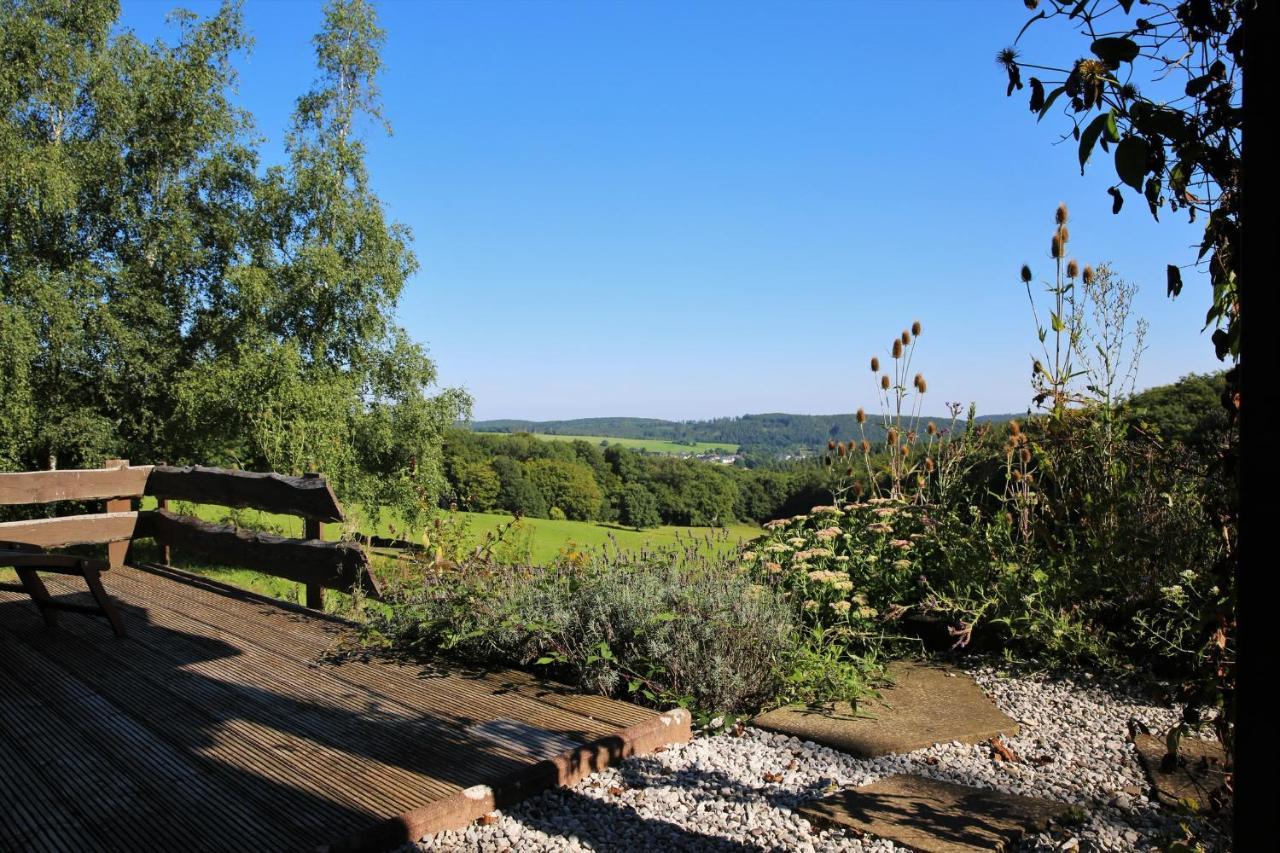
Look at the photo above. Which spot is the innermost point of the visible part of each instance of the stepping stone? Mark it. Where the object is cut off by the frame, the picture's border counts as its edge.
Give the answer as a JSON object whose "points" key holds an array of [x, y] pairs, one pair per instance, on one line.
{"points": [[1199, 773], [926, 704], [932, 816]]}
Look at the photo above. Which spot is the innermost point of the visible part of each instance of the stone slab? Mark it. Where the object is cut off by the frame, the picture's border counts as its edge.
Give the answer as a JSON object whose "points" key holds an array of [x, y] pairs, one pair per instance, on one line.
{"points": [[1199, 773], [933, 816], [926, 704]]}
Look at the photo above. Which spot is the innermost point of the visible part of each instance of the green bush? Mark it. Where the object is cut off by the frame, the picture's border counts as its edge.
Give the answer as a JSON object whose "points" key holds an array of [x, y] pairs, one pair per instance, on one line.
{"points": [[662, 628]]}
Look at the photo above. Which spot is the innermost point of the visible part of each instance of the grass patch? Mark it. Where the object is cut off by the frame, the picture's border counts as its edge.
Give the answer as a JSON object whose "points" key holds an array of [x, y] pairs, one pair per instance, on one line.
{"points": [[649, 445]]}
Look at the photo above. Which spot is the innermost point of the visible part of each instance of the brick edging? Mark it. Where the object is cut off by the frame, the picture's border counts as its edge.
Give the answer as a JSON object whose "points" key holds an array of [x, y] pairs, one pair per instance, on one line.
{"points": [[564, 769]]}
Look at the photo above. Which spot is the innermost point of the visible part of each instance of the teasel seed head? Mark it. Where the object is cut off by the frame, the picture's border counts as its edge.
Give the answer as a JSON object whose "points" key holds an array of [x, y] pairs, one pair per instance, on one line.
{"points": [[884, 382], [906, 337], [831, 444], [1029, 477], [897, 348], [929, 464], [1055, 247], [1025, 455], [857, 489], [1015, 428], [1073, 268], [905, 450], [915, 328], [1037, 368], [1065, 235], [920, 384], [862, 415], [1017, 475], [841, 450], [875, 364], [892, 437], [1088, 274], [1026, 274], [1060, 215], [866, 446], [932, 428]]}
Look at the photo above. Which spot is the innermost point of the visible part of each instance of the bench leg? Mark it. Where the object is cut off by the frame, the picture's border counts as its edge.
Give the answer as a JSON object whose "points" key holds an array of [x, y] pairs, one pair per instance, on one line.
{"points": [[39, 595], [94, 582]]}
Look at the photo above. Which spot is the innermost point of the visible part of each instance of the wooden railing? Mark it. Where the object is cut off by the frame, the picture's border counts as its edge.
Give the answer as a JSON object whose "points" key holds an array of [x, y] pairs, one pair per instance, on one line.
{"points": [[310, 561]]}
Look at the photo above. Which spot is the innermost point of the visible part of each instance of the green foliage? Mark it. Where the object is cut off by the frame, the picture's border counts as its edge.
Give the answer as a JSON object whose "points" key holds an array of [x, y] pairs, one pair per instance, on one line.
{"points": [[660, 628], [164, 298], [639, 507], [569, 486]]}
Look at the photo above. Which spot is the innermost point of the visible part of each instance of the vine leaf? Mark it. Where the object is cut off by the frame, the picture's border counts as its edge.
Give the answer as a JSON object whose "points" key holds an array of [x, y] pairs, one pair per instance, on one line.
{"points": [[1131, 161], [1090, 137], [1113, 51]]}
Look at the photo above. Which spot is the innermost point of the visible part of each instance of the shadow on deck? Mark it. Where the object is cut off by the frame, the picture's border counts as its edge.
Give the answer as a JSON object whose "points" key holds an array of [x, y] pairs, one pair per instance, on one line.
{"points": [[222, 723]]}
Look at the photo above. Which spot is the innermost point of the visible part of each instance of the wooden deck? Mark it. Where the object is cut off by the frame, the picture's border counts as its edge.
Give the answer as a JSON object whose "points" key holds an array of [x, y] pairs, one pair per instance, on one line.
{"points": [[219, 723]]}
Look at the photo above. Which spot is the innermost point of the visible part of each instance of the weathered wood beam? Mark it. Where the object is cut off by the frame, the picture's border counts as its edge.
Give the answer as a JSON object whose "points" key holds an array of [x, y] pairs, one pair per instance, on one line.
{"points": [[71, 530], [335, 565], [309, 497], [42, 487]]}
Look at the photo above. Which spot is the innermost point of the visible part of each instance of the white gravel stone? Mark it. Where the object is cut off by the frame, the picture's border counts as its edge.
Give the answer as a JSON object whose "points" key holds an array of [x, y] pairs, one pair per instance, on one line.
{"points": [[711, 795]]}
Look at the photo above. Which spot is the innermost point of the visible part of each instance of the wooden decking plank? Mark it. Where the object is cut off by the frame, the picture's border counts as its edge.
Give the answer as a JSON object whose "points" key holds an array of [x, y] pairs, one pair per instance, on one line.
{"points": [[36, 818], [167, 775], [408, 764], [403, 683], [468, 700], [107, 803], [245, 753]]}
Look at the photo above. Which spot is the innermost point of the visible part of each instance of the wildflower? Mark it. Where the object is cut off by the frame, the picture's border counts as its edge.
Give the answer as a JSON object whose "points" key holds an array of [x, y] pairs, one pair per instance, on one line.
{"points": [[825, 576], [867, 612], [826, 509], [879, 527], [748, 556], [777, 548], [885, 511], [828, 533], [901, 544], [775, 524], [796, 541], [811, 605], [902, 565], [772, 567], [841, 607]]}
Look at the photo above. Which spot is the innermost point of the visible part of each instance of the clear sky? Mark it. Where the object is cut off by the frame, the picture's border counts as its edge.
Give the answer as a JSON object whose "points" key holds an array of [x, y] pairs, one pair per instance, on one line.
{"points": [[693, 209]]}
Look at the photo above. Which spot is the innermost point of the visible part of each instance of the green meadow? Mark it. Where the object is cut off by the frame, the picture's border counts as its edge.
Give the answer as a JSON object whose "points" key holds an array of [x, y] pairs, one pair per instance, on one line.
{"points": [[535, 540], [648, 445]]}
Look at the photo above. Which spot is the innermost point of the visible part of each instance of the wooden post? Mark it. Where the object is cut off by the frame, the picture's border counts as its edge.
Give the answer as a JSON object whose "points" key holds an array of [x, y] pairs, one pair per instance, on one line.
{"points": [[166, 553], [117, 552], [313, 530]]}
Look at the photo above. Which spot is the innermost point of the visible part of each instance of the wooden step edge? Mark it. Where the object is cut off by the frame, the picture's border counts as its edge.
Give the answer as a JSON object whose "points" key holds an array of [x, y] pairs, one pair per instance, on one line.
{"points": [[565, 769]]}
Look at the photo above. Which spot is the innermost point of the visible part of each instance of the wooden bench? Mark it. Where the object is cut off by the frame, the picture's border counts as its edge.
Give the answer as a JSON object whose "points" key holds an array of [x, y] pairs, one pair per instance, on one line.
{"points": [[28, 561]]}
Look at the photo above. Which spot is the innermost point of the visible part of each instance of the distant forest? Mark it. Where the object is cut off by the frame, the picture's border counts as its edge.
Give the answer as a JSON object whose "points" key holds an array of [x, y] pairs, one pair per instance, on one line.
{"points": [[766, 435]]}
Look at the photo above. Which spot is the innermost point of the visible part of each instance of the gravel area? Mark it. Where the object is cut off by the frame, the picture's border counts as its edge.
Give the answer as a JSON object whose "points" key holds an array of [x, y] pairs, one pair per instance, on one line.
{"points": [[734, 794]]}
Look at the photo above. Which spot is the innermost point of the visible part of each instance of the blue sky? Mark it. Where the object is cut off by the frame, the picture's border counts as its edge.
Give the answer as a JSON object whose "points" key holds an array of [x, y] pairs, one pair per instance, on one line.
{"points": [[693, 209]]}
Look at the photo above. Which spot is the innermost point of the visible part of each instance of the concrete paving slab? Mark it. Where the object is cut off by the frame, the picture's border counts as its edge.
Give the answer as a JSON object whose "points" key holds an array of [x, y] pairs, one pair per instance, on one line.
{"points": [[1199, 773], [926, 704], [933, 816]]}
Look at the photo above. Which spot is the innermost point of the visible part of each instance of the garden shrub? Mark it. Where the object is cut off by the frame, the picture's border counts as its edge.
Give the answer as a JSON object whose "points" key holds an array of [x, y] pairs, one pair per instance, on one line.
{"points": [[660, 627]]}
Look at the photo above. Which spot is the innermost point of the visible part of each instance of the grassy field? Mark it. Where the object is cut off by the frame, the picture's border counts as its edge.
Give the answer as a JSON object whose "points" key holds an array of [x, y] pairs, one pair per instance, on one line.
{"points": [[536, 540], [649, 445]]}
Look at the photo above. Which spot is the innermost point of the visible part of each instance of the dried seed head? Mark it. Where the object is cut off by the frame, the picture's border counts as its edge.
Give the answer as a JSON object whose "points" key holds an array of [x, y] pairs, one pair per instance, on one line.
{"points": [[1073, 268], [1026, 274], [866, 446], [1060, 215], [906, 337], [857, 489], [884, 382], [1037, 368], [841, 450], [915, 328], [905, 450], [920, 384], [1029, 477], [1065, 234], [929, 464], [1055, 247], [875, 364], [897, 348], [831, 444], [892, 437], [1017, 474], [1025, 455], [1015, 428], [862, 415], [848, 472], [1088, 274]]}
